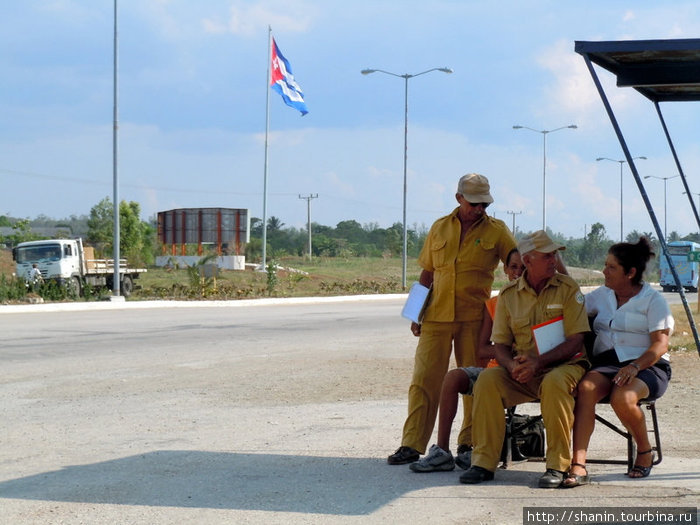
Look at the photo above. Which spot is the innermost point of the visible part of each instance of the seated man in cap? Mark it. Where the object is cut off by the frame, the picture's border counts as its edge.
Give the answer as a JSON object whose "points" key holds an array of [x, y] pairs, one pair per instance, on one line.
{"points": [[539, 295]]}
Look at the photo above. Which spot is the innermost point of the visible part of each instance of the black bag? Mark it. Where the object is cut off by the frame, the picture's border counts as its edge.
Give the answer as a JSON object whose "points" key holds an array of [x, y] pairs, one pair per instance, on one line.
{"points": [[525, 436]]}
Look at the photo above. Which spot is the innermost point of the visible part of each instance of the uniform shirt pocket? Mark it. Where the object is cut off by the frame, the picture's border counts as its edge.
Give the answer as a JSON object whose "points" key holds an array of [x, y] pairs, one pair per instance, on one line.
{"points": [[522, 333], [438, 252]]}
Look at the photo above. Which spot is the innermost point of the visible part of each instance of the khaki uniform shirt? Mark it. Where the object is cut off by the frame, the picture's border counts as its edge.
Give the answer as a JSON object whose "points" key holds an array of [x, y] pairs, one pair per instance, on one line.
{"points": [[463, 275], [519, 308]]}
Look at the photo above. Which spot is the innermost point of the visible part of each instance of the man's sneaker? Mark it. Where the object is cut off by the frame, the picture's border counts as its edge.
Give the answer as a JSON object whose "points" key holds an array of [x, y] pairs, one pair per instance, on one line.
{"points": [[436, 460], [464, 457], [403, 455]]}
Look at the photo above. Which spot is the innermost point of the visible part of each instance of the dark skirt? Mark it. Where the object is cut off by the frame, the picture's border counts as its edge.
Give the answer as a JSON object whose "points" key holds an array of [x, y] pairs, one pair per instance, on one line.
{"points": [[656, 377]]}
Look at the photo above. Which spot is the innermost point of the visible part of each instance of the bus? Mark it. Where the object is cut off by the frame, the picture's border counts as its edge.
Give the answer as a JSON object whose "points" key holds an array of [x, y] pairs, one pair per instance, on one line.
{"points": [[687, 270]]}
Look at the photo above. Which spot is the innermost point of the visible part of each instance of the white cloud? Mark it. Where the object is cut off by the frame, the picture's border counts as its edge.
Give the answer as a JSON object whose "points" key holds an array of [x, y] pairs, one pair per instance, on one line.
{"points": [[380, 173], [337, 183], [246, 19], [573, 92]]}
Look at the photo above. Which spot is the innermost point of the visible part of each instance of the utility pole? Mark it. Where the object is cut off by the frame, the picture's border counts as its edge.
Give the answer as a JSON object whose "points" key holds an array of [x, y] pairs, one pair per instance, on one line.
{"points": [[514, 213], [308, 215]]}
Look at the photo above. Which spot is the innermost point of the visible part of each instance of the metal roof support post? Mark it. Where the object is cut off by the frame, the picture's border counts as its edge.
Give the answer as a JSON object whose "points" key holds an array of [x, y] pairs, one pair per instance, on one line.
{"points": [[642, 192], [678, 163]]}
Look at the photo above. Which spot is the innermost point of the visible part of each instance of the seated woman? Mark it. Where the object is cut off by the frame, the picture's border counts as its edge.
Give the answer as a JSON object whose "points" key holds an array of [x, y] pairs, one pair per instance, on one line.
{"points": [[632, 324], [460, 381]]}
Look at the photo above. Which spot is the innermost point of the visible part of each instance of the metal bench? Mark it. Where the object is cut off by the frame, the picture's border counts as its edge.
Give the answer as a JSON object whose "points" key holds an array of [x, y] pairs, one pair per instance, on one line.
{"points": [[509, 445]]}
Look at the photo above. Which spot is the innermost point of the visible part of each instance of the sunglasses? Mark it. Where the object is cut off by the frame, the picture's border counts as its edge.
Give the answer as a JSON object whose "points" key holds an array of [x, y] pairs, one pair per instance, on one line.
{"points": [[482, 204]]}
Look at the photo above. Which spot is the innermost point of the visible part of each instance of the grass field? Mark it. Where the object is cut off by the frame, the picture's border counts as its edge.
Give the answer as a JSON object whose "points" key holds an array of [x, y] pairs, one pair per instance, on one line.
{"points": [[294, 277], [297, 277]]}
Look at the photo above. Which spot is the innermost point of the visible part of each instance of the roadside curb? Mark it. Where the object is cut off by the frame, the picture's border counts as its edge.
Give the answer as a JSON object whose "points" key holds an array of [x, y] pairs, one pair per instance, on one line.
{"points": [[234, 303]]}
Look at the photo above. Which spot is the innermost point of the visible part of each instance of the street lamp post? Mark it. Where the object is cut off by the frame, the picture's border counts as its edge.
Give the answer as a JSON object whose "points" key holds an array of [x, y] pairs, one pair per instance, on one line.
{"points": [[663, 179], [405, 76], [544, 133], [621, 163]]}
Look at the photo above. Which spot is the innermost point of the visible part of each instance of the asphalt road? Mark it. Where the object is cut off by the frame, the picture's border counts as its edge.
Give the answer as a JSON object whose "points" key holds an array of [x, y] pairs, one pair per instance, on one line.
{"points": [[258, 412]]}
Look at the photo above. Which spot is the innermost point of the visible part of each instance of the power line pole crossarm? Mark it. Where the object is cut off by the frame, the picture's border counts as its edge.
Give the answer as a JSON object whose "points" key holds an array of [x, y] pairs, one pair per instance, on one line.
{"points": [[308, 215], [513, 213]]}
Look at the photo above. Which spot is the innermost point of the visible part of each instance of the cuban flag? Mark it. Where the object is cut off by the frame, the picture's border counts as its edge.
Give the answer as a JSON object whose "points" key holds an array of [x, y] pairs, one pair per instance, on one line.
{"points": [[282, 81]]}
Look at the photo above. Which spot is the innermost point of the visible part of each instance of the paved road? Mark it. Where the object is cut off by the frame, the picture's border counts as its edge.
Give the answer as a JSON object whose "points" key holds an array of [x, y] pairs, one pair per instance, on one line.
{"points": [[675, 297], [255, 412]]}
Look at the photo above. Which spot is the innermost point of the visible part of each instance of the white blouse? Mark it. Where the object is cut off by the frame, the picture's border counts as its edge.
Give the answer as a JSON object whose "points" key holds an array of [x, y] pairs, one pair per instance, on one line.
{"points": [[627, 329]]}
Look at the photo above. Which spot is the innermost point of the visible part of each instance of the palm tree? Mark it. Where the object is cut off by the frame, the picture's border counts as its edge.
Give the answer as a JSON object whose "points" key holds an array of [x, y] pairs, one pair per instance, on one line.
{"points": [[274, 224]]}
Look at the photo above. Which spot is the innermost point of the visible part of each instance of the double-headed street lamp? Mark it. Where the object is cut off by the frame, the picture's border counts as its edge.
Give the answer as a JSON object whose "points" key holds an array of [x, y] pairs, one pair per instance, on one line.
{"points": [[544, 133], [405, 76], [663, 179], [621, 163]]}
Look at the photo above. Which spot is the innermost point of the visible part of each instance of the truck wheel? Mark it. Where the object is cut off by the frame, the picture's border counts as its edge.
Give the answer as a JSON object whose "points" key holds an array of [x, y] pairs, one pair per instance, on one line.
{"points": [[127, 286], [74, 286]]}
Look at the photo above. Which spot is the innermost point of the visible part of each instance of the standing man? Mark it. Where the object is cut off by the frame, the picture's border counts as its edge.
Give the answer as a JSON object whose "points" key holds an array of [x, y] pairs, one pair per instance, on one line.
{"points": [[458, 259], [539, 295]]}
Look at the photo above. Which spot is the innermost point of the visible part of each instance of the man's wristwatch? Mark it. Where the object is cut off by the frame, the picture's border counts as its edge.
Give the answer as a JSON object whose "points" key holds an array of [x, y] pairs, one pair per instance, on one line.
{"points": [[636, 365]]}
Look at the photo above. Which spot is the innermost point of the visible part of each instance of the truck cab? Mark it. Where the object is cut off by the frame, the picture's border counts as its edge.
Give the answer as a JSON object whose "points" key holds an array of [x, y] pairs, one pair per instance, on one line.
{"points": [[57, 259], [68, 262]]}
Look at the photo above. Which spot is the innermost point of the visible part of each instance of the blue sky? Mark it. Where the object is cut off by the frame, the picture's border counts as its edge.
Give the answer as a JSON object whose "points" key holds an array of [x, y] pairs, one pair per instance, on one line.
{"points": [[192, 91]]}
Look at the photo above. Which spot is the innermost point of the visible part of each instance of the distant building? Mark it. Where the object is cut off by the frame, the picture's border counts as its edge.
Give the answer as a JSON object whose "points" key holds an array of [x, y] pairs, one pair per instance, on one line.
{"points": [[227, 229]]}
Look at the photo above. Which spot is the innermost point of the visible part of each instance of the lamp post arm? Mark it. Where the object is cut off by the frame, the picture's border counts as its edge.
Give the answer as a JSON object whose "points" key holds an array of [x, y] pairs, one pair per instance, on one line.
{"points": [[443, 69]]}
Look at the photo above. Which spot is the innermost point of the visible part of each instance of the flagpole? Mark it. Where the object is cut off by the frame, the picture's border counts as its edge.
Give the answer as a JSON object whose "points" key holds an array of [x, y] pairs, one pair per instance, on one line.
{"points": [[267, 131]]}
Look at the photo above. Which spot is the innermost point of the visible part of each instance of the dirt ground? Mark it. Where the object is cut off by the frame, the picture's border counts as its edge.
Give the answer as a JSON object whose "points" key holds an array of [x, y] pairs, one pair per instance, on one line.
{"points": [[295, 430]]}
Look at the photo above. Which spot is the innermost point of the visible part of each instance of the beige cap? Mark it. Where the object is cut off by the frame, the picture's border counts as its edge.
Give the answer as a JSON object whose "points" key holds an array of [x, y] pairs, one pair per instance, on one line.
{"points": [[475, 188], [538, 241]]}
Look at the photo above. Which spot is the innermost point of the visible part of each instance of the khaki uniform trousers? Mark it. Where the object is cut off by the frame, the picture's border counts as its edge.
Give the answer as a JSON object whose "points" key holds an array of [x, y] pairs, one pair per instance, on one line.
{"points": [[495, 391], [431, 363]]}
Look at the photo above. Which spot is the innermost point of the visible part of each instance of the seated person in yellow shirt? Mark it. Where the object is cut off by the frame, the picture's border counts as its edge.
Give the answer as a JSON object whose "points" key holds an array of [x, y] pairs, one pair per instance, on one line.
{"points": [[461, 381], [540, 294]]}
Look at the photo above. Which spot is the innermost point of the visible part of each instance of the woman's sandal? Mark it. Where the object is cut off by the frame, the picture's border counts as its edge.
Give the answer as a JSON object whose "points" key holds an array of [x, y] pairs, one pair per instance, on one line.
{"points": [[575, 480], [639, 469]]}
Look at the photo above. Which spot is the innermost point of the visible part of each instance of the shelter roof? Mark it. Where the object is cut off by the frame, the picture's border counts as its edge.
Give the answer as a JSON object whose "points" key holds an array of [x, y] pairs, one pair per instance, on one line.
{"points": [[661, 70]]}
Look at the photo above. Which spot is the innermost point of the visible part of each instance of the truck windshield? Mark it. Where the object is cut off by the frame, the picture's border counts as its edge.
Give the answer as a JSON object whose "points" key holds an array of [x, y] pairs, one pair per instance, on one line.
{"points": [[44, 252]]}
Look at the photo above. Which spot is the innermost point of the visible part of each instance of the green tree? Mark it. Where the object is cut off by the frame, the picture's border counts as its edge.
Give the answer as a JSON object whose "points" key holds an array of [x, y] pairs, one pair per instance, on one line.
{"points": [[595, 246], [133, 233], [101, 225], [351, 231], [22, 232], [256, 227], [274, 224], [673, 236], [394, 239]]}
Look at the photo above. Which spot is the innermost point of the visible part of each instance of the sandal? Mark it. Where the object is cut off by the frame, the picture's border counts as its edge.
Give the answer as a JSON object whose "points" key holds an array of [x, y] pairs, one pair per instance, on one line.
{"points": [[576, 480], [642, 472]]}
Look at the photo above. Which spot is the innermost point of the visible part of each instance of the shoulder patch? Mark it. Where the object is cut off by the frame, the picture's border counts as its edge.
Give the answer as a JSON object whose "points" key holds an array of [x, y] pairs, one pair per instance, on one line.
{"points": [[579, 297]]}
